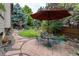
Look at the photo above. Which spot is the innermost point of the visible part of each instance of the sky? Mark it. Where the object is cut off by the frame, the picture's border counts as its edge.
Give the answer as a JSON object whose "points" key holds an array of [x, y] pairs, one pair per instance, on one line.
{"points": [[33, 6]]}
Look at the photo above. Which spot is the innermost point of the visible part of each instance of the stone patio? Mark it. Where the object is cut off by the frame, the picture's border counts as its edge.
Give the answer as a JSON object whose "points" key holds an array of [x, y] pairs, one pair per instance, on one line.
{"points": [[30, 47]]}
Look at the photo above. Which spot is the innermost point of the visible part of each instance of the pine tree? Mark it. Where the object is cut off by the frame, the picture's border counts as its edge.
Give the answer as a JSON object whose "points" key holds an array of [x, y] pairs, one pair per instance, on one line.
{"points": [[18, 17]]}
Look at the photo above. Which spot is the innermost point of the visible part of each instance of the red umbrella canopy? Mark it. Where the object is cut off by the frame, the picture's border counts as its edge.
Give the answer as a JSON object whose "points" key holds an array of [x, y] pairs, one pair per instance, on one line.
{"points": [[52, 14]]}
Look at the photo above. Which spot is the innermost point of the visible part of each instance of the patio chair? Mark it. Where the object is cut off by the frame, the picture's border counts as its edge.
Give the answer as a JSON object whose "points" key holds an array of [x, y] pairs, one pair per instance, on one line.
{"points": [[53, 42], [40, 40], [44, 34]]}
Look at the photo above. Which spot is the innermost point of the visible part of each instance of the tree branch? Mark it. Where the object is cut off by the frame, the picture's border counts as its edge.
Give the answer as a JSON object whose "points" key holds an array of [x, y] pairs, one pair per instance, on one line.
{"points": [[1, 16]]}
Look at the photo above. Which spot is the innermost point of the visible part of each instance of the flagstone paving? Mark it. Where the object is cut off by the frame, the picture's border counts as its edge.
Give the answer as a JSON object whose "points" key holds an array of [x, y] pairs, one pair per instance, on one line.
{"points": [[34, 49], [30, 47], [17, 45]]}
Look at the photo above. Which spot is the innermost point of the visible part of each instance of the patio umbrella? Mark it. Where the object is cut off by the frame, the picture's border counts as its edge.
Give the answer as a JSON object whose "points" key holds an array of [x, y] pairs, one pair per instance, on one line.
{"points": [[53, 14], [50, 14]]}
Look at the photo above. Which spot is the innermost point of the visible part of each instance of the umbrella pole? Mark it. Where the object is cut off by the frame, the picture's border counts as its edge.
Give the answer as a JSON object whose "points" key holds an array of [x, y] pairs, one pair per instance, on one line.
{"points": [[48, 34], [48, 26]]}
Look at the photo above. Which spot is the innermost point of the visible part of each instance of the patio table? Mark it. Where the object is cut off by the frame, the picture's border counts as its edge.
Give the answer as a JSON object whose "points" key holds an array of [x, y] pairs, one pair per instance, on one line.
{"points": [[48, 38]]}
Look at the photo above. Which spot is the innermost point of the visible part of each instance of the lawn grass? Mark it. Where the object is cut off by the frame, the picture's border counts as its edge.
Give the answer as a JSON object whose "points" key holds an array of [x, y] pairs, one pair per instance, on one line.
{"points": [[31, 33]]}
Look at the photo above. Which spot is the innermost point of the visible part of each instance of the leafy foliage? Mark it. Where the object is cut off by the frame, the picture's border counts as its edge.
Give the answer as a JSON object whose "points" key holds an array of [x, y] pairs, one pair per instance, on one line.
{"points": [[27, 10], [60, 38], [18, 16], [56, 26], [17, 13], [36, 23], [44, 26], [2, 7], [76, 7]]}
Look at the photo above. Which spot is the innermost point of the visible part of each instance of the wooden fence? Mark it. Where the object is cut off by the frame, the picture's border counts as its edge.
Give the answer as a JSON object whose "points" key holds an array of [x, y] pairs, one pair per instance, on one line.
{"points": [[70, 32]]}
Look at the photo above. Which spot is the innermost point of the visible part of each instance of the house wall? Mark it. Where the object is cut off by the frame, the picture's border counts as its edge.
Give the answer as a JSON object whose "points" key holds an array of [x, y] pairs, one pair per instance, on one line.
{"points": [[1, 23], [6, 23], [7, 15]]}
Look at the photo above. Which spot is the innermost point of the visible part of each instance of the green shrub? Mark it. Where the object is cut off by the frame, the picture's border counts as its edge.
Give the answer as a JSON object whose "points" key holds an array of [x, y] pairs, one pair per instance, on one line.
{"points": [[60, 38], [44, 26], [29, 33], [56, 26]]}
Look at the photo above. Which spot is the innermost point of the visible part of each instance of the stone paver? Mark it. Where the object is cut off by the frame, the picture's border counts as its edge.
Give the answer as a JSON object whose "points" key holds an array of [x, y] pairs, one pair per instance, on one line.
{"points": [[1, 54], [10, 53], [17, 45], [32, 48]]}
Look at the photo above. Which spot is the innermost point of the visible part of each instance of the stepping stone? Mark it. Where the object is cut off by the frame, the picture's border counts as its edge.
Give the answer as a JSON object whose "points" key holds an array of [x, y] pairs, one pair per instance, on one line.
{"points": [[33, 49], [1, 54], [17, 45], [11, 53]]}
